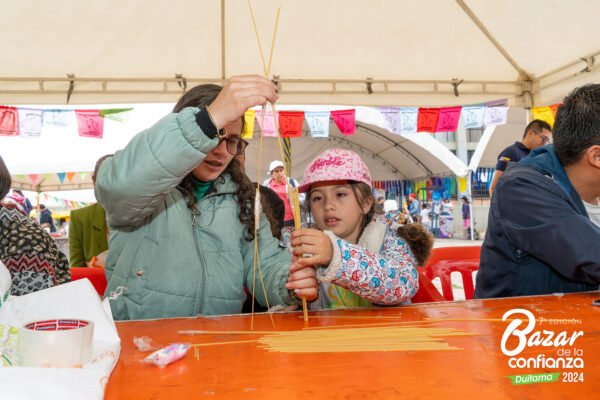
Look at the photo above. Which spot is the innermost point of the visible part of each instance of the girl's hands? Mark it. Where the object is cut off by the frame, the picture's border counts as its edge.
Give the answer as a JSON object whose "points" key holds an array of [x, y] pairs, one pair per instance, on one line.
{"points": [[303, 281], [311, 247], [239, 94]]}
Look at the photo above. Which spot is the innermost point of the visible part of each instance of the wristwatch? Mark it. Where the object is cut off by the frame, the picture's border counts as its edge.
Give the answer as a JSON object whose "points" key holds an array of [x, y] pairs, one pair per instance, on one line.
{"points": [[208, 126]]}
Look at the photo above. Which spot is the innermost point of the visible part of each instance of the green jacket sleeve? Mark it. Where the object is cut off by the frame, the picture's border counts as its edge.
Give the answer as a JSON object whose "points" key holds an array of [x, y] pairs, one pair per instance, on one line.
{"points": [[274, 264], [76, 258], [136, 179]]}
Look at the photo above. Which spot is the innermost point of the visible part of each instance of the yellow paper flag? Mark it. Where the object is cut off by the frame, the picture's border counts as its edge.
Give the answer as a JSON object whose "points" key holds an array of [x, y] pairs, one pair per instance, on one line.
{"points": [[543, 113], [248, 124]]}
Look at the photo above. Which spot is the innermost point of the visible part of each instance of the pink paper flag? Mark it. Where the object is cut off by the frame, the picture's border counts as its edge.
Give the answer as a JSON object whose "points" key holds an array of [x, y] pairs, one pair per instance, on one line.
{"points": [[448, 119], [90, 123], [269, 129], [9, 121], [345, 121]]}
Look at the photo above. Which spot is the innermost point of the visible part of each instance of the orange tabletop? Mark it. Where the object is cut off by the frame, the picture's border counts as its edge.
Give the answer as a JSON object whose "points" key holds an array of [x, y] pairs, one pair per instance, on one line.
{"points": [[476, 367]]}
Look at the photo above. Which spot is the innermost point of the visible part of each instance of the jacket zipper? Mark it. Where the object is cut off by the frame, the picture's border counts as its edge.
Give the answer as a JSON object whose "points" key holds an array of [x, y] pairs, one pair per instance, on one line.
{"points": [[195, 213]]}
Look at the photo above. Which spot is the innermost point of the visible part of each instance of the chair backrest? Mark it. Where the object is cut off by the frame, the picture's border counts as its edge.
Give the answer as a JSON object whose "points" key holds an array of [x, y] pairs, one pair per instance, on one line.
{"points": [[427, 292], [445, 260], [95, 275], [453, 253]]}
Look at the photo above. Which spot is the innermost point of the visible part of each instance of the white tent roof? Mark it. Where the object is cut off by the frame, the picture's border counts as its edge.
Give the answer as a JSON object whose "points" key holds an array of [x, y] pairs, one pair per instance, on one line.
{"points": [[130, 50]]}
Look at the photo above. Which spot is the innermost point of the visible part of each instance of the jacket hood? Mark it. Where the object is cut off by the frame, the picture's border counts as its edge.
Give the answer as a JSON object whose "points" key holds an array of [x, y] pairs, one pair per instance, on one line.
{"points": [[545, 160]]}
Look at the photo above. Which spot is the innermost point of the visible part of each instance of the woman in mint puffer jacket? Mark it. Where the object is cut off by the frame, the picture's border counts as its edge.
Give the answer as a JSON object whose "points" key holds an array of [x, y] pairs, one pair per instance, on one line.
{"points": [[180, 212]]}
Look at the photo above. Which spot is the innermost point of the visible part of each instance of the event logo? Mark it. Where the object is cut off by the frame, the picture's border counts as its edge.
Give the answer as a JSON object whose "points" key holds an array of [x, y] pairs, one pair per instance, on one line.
{"points": [[521, 334]]}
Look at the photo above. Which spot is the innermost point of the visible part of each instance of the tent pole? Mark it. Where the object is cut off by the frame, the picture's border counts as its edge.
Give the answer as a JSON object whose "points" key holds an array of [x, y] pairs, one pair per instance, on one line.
{"points": [[470, 197]]}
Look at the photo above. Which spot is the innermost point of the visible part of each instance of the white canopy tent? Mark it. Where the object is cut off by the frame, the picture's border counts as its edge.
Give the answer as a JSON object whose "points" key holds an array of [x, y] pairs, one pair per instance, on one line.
{"points": [[384, 52]]}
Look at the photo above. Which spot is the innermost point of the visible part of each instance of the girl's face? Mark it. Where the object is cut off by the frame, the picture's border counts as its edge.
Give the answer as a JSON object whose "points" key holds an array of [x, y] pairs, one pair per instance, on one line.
{"points": [[336, 208], [218, 158]]}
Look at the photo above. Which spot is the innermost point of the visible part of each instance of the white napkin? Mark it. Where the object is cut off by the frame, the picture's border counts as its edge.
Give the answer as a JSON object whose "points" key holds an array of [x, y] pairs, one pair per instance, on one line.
{"points": [[75, 300]]}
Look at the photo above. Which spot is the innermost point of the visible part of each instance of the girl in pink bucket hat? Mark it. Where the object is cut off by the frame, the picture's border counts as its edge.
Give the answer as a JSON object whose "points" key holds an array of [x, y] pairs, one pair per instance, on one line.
{"points": [[359, 260]]}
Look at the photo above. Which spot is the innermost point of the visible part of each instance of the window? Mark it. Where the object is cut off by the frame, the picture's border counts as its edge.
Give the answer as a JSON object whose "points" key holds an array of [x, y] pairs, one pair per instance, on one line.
{"points": [[474, 135]]}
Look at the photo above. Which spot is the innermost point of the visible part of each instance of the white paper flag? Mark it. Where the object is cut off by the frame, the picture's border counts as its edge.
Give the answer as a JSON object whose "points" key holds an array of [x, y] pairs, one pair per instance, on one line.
{"points": [[318, 123], [473, 116], [30, 122], [495, 116], [56, 117], [392, 118], [408, 119]]}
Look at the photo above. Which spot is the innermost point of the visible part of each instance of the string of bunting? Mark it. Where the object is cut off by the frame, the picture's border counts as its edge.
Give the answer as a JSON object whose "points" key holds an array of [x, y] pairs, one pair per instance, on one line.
{"points": [[399, 120], [55, 201], [62, 176], [30, 122]]}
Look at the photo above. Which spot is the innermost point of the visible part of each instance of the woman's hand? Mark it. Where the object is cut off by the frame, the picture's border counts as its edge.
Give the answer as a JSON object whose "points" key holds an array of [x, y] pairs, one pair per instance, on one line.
{"points": [[303, 281], [312, 247], [238, 95]]}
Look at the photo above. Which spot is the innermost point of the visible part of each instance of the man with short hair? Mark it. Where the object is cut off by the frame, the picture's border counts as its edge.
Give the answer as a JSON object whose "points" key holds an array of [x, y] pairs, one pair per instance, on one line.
{"points": [[540, 239], [537, 133]]}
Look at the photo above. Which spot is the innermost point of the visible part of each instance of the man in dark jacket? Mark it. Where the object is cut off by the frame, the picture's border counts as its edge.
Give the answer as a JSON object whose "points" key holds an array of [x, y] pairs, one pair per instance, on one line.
{"points": [[46, 218], [540, 239]]}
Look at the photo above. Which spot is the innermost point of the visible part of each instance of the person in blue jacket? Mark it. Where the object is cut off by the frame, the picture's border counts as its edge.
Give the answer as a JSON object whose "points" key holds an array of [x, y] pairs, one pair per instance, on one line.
{"points": [[540, 239]]}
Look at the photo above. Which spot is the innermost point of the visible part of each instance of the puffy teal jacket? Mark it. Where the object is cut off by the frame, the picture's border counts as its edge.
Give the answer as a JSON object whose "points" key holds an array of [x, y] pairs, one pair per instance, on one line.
{"points": [[170, 267]]}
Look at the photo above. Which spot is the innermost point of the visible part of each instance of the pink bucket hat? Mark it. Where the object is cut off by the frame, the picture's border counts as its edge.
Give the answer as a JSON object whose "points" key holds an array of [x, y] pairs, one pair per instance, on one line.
{"points": [[335, 165]]}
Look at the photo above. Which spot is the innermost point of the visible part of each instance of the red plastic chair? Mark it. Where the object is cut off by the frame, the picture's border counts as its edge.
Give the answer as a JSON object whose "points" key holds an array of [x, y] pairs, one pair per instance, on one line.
{"points": [[427, 292], [445, 260], [95, 275]]}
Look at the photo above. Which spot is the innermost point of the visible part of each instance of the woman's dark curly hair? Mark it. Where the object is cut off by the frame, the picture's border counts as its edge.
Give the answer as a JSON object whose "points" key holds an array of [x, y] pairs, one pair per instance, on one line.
{"points": [[202, 96]]}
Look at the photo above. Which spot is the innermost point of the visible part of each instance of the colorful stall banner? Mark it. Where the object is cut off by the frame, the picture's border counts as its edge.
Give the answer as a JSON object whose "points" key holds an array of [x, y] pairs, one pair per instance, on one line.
{"points": [[116, 114], [83, 175], [291, 123], [554, 108], [267, 125], [497, 103], [473, 116], [61, 176], [70, 176], [427, 120], [249, 118], [408, 119], [392, 118], [448, 119], [318, 123], [495, 116], [345, 120], [543, 113], [30, 122], [56, 117], [90, 123], [9, 121]]}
